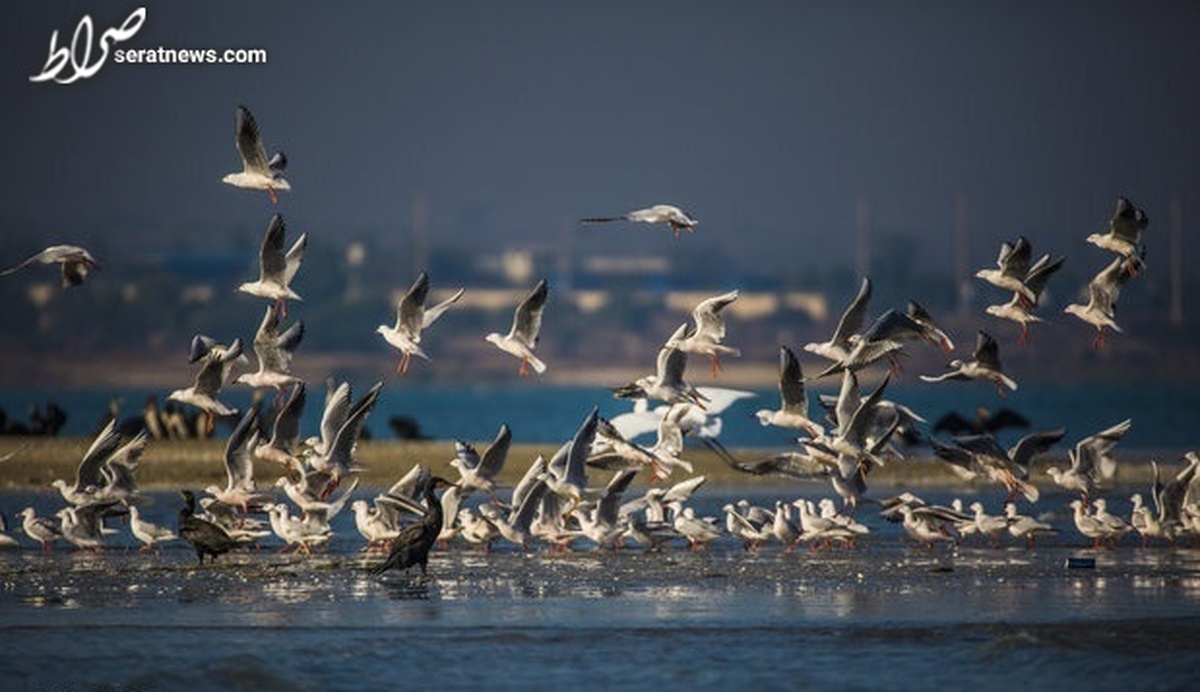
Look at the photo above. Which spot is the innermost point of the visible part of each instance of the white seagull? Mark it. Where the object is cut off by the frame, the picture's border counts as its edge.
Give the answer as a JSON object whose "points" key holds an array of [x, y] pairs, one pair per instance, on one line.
{"points": [[659, 213], [839, 345], [258, 173], [1124, 233], [522, 338], [666, 384], [984, 366], [1011, 268], [705, 338], [411, 318], [793, 407], [276, 269], [1103, 290], [73, 260], [274, 352], [1016, 309]]}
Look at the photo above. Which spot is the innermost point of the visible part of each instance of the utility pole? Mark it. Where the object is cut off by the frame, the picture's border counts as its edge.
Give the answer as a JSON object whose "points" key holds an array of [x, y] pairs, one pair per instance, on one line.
{"points": [[962, 252], [1176, 249]]}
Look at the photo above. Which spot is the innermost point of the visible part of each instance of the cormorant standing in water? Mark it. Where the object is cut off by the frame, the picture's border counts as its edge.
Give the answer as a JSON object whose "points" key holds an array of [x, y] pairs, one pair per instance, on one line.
{"points": [[412, 545], [205, 536]]}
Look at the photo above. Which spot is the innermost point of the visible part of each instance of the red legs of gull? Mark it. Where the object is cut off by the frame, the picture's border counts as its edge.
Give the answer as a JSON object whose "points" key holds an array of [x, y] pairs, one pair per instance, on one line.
{"points": [[402, 367], [271, 192], [1024, 340], [524, 371], [1100, 340], [716, 366]]}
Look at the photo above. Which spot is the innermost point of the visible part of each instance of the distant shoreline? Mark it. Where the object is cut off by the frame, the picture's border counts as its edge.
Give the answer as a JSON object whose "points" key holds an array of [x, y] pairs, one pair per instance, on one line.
{"points": [[198, 463]]}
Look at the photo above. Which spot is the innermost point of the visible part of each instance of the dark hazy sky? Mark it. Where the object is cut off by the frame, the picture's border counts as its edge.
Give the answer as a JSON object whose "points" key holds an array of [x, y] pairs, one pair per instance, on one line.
{"points": [[764, 119]]}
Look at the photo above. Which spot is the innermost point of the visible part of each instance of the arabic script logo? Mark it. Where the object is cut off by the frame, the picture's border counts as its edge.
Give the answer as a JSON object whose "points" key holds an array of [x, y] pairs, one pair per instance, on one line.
{"points": [[78, 54]]}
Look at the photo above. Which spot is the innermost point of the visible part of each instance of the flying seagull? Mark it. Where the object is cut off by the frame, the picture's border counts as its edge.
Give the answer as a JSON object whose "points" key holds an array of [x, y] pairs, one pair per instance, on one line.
{"points": [[411, 318], [659, 213], [522, 338], [258, 173], [74, 260]]}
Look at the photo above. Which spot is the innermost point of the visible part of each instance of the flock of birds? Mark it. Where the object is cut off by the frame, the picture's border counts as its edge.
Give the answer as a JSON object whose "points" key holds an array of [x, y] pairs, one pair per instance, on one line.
{"points": [[556, 503]]}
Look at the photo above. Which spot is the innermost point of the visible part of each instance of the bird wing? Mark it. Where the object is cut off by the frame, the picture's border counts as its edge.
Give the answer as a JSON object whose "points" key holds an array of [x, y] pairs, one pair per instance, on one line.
{"points": [[239, 453], [576, 462], [527, 320], [52, 254], [707, 315], [1015, 262], [342, 452], [1035, 280], [433, 313], [1034, 444], [1095, 448], [410, 314], [285, 431], [249, 142], [1124, 221], [791, 383], [987, 351], [492, 461], [337, 408], [271, 262], [294, 257], [854, 316], [265, 346], [88, 473]]}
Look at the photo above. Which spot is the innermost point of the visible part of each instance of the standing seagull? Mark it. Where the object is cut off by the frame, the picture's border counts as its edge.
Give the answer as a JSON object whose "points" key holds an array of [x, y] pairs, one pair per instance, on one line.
{"points": [[276, 269], [75, 263], [522, 338], [659, 213], [705, 338], [985, 366], [1124, 233], [411, 318], [258, 173], [1101, 309]]}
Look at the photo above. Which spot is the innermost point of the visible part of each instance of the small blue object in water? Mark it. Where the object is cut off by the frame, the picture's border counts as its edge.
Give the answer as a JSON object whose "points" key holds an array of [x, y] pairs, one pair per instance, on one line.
{"points": [[1081, 563]]}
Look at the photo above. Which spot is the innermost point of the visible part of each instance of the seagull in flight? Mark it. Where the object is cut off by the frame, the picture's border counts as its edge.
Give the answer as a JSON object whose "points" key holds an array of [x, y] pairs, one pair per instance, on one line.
{"points": [[258, 172], [73, 260], [678, 219], [1124, 233], [1103, 290], [276, 269], [522, 338], [984, 366], [411, 318]]}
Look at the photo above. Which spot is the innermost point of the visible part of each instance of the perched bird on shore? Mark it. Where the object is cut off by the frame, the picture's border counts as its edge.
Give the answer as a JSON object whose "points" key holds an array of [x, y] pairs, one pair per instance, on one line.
{"points": [[412, 545], [73, 260], [412, 317], [1027, 527], [148, 533], [276, 269], [677, 218], [44, 530], [522, 338], [258, 172], [206, 537], [985, 365]]}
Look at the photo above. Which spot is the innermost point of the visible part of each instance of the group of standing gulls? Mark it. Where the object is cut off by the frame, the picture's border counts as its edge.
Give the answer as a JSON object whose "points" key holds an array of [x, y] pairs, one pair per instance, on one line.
{"points": [[555, 503]]}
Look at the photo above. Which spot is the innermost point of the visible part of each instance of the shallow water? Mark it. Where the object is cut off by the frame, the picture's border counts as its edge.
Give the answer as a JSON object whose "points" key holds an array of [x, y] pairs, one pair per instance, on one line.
{"points": [[887, 615]]}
